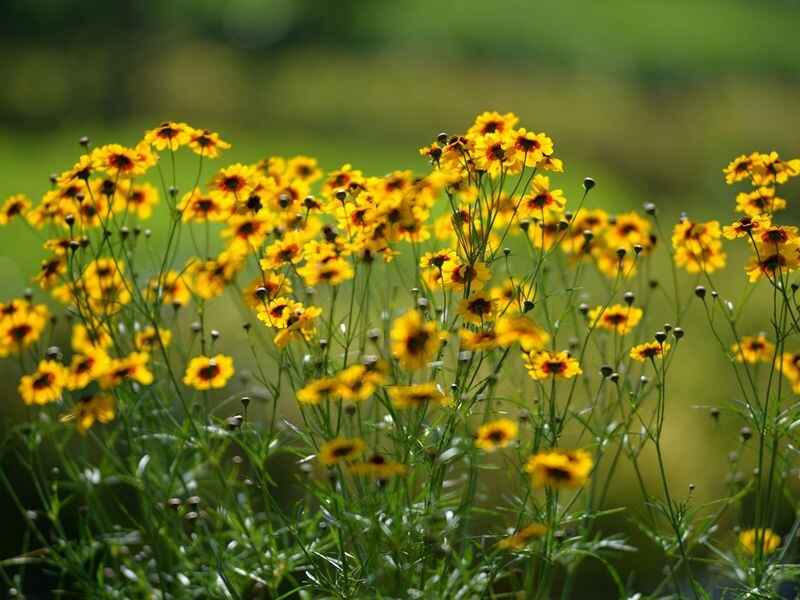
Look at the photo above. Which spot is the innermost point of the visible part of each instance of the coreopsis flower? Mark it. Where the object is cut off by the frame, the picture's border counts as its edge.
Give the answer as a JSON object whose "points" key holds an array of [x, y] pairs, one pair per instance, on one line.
{"points": [[247, 232], [457, 275], [517, 328], [627, 230], [529, 148], [739, 168], [587, 220], [318, 390], [85, 339], [750, 539], [234, 181], [415, 341], [208, 372], [345, 178], [496, 434], [759, 202], [266, 287], [209, 278], [304, 168], [551, 163], [494, 154], [478, 340], [770, 168], [546, 233], [649, 350], [492, 122], [416, 395], [612, 265], [21, 326], [771, 260], [433, 263], [478, 308], [140, 200], [43, 385], [432, 152], [696, 258], [206, 143], [91, 409], [341, 449], [560, 468], [149, 339], [332, 270], [86, 368], [777, 235], [301, 324], [51, 271], [356, 383], [199, 207], [378, 467], [523, 537], [171, 289], [789, 364], [619, 318], [545, 364], [14, 206], [129, 368], [745, 227], [80, 171], [285, 251], [118, 161], [168, 136], [541, 200], [753, 349]]}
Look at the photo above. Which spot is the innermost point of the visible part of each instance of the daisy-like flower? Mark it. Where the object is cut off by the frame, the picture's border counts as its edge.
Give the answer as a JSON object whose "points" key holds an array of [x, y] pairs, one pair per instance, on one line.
{"points": [[746, 226], [86, 368], [345, 178], [332, 270], [148, 339], [419, 394], [750, 539], [696, 258], [14, 206], [759, 202], [80, 171], [560, 468], [496, 434], [43, 385], [770, 260], [494, 153], [247, 232], [414, 340], [478, 308], [168, 136], [206, 143], [739, 168], [171, 289], [492, 122], [378, 467], [266, 287], [545, 364], [753, 349], [318, 390], [199, 208], [627, 230], [541, 200], [478, 340], [285, 251], [517, 328], [530, 148], [234, 181], [129, 368], [356, 384], [140, 200], [523, 537], [619, 318], [770, 168], [301, 324], [304, 168], [205, 373], [85, 339], [22, 328], [118, 161], [458, 274], [649, 350], [91, 409], [341, 449]]}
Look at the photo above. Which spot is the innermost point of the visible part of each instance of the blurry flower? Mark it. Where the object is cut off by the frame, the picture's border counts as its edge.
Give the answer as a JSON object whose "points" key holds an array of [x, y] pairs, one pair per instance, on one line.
{"points": [[476, 309], [317, 390], [649, 350], [496, 434], [44, 385], [168, 136], [512, 329], [523, 537], [205, 373], [16, 205], [544, 364], [378, 467], [762, 201], [130, 368], [753, 349], [90, 409], [414, 340], [618, 318], [340, 449], [768, 539], [413, 396], [86, 368], [149, 339], [559, 468], [206, 143]]}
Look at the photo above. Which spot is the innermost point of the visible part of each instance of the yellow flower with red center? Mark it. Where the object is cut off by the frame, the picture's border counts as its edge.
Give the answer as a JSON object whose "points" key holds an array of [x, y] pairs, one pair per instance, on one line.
{"points": [[492, 122], [530, 148], [301, 324], [85, 339], [43, 385], [517, 328], [649, 351], [265, 288], [618, 318], [168, 136], [247, 232], [496, 434], [753, 349], [415, 341], [478, 340], [206, 143], [197, 207], [457, 275], [759, 202], [494, 154], [234, 181], [80, 171], [209, 278], [316, 391], [772, 260], [118, 161], [478, 308], [378, 467], [303, 168], [208, 372], [346, 178], [86, 368], [560, 468], [627, 230], [91, 409], [21, 326], [751, 539], [133, 367], [416, 395], [332, 270], [341, 449], [545, 364], [149, 339], [285, 251], [541, 200], [139, 200], [171, 289], [739, 168], [356, 383], [14, 206], [746, 226], [770, 168]]}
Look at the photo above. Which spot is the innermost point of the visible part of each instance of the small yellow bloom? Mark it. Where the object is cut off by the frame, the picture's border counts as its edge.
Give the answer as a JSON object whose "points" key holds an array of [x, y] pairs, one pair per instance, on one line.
{"points": [[149, 339], [378, 467], [16, 205], [522, 537], [512, 329], [769, 540], [206, 143], [619, 318], [648, 350], [318, 390], [44, 385], [205, 373], [544, 364], [412, 396], [414, 340], [753, 349], [560, 468], [86, 368], [496, 434], [90, 409], [132, 367], [340, 449]]}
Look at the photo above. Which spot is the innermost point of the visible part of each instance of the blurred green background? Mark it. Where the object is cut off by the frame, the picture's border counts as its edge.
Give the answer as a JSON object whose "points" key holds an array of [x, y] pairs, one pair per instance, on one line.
{"points": [[650, 98]]}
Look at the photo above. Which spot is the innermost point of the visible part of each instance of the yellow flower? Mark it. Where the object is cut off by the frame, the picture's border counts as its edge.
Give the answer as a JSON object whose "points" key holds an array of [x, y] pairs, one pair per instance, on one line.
{"points": [[619, 318], [132, 367], [378, 467], [247, 232], [147, 339], [301, 324], [303, 168], [541, 200], [22, 326], [523, 537], [739, 168], [413, 396], [234, 181], [627, 230], [697, 246], [478, 308], [512, 329], [560, 468], [768, 539], [16, 205], [199, 208], [332, 270], [205, 373], [753, 349], [266, 287], [770, 168], [355, 383], [118, 161], [457, 275], [140, 200], [340, 449], [414, 340], [762, 201], [168, 136], [44, 385], [87, 367], [745, 226], [529, 148], [496, 434], [649, 350], [544, 364], [492, 122], [206, 143], [171, 289], [772, 260], [90, 409], [85, 339], [478, 340], [318, 390]]}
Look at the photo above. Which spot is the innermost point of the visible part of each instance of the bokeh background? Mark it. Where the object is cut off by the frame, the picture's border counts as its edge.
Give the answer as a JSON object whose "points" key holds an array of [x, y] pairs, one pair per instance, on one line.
{"points": [[652, 99]]}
